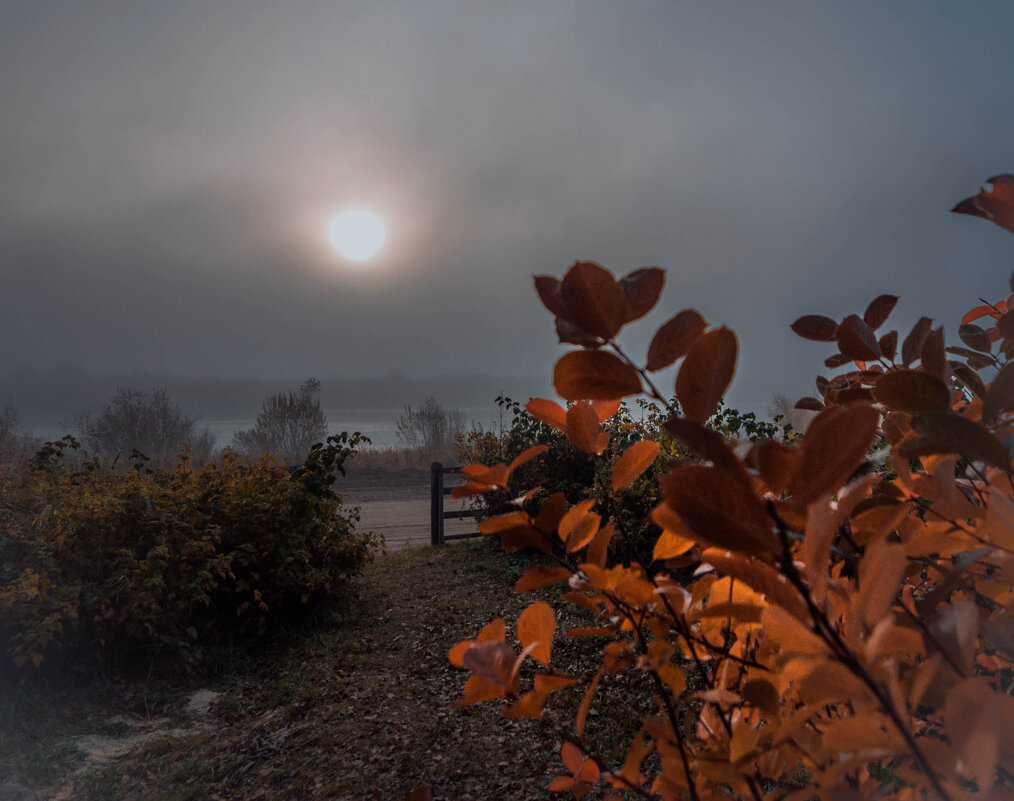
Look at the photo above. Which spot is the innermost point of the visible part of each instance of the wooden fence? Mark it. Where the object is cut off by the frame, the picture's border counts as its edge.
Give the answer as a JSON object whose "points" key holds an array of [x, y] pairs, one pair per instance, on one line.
{"points": [[437, 514]]}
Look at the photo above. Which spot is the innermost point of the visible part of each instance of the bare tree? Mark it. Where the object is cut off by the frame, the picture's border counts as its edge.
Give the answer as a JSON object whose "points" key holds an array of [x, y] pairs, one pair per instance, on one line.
{"points": [[147, 422], [289, 424], [429, 427], [15, 443]]}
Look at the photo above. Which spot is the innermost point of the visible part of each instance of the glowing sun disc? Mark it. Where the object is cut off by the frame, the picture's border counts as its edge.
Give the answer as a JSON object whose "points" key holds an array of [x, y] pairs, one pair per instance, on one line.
{"points": [[357, 235]]}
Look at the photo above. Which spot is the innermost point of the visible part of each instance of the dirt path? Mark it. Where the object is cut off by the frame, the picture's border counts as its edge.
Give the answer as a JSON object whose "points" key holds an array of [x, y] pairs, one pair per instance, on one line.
{"points": [[360, 711]]}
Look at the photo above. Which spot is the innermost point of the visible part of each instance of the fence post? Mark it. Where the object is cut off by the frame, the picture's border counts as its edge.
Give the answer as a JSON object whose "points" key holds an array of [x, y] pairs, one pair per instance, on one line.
{"points": [[436, 504]]}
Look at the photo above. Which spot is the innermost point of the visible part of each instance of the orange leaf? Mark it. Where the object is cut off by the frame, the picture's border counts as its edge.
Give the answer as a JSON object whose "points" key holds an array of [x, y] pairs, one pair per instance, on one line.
{"points": [[598, 549], [583, 427], [674, 338], [528, 705], [911, 391], [535, 628], [594, 375], [975, 727], [595, 301], [706, 373], [606, 408], [494, 663], [541, 576], [547, 411], [579, 525], [550, 682], [495, 631], [526, 456], [995, 204], [633, 461], [582, 713], [671, 544], [719, 510], [835, 444], [641, 289], [977, 313], [478, 690]]}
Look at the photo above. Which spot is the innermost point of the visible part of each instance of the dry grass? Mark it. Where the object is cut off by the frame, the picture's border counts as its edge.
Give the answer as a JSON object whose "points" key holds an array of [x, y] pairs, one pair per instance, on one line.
{"points": [[353, 711]]}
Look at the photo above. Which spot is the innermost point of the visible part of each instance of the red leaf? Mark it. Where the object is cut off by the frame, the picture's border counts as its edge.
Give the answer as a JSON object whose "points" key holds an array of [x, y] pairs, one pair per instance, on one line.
{"points": [[995, 204], [548, 288], [816, 327], [674, 338], [877, 312], [1000, 395], [810, 404], [889, 345], [594, 375], [595, 301], [719, 510], [605, 409], [526, 456], [835, 444], [912, 346], [975, 337], [582, 715], [951, 433], [856, 340], [911, 391], [706, 373], [641, 288], [570, 334]]}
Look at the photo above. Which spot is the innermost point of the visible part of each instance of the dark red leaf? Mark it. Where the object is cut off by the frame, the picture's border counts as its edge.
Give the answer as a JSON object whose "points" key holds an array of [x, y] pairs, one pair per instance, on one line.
{"points": [[995, 204], [810, 404], [1005, 325], [815, 327], [720, 510], [594, 375], [967, 376], [641, 288], [548, 288], [856, 339], [911, 391], [975, 337], [594, 300], [889, 345], [706, 373], [708, 444], [674, 338], [951, 433], [569, 333], [835, 444], [877, 312], [933, 357], [912, 346], [999, 397]]}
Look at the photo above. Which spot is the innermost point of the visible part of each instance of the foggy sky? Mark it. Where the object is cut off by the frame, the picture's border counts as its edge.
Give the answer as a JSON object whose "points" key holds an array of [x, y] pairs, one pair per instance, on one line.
{"points": [[167, 172]]}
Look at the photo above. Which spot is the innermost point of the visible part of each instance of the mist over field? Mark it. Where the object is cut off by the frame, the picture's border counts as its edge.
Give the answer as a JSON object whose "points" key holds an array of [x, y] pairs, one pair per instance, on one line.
{"points": [[170, 174]]}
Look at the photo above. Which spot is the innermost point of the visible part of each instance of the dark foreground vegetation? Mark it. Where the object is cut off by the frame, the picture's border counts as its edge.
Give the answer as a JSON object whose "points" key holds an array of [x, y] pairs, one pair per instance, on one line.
{"points": [[100, 567]]}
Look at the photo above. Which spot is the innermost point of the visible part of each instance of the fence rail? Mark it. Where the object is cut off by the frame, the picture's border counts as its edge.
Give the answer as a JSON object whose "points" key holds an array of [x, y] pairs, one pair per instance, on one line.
{"points": [[437, 514]]}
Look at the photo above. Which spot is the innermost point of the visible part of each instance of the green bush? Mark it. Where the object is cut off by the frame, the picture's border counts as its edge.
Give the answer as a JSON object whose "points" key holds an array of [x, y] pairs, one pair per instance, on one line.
{"points": [[160, 563]]}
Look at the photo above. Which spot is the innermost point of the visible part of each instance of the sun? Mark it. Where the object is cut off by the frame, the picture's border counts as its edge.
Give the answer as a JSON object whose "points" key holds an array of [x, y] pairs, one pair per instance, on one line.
{"points": [[357, 235]]}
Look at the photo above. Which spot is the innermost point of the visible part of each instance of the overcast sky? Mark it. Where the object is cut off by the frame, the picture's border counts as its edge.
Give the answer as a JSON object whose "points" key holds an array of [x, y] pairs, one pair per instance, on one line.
{"points": [[168, 171]]}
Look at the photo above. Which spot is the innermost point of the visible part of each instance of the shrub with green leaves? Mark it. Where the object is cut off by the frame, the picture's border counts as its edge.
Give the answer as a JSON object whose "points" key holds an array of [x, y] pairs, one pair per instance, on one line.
{"points": [[101, 566]]}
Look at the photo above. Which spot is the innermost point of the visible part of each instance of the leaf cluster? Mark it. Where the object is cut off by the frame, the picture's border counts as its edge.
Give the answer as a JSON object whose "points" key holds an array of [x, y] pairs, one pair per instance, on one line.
{"points": [[847, 632]]}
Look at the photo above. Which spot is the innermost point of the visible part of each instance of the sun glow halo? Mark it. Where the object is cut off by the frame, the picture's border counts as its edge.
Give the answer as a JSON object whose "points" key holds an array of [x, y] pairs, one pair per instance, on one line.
{"points": [[357, 235]]}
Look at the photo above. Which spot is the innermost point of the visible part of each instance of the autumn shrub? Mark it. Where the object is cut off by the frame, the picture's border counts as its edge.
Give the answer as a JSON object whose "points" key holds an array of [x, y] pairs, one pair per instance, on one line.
{"points": [[848, 633], [96, 564], [580, 475]]}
